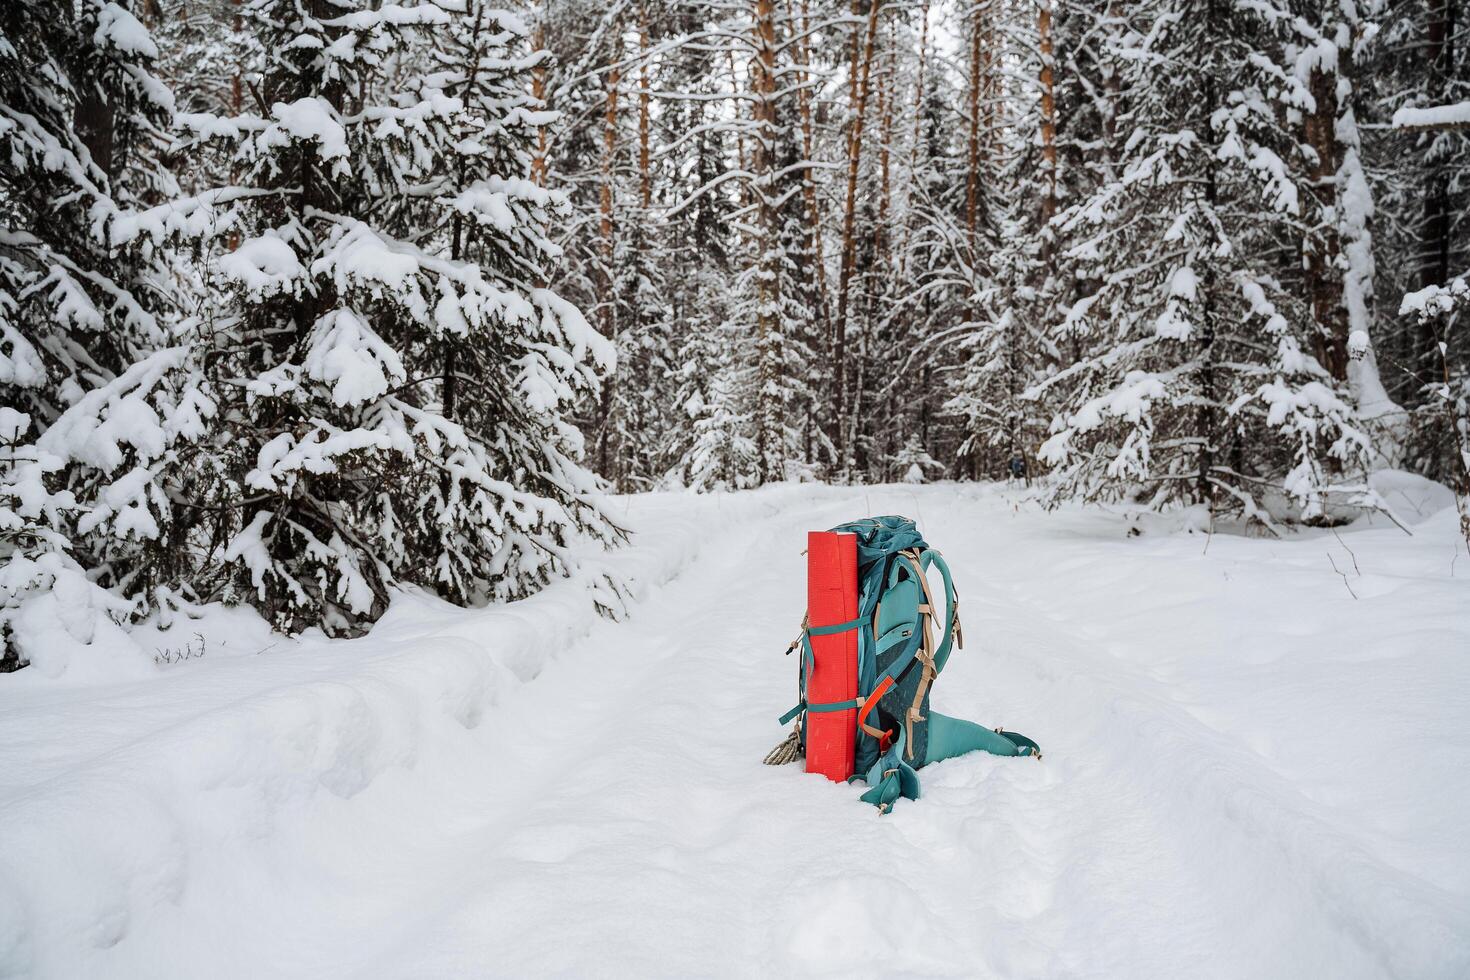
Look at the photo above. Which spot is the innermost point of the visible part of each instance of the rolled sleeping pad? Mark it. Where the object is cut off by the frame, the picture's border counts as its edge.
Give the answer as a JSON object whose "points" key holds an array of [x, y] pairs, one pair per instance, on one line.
{"points": [[832, 598]]}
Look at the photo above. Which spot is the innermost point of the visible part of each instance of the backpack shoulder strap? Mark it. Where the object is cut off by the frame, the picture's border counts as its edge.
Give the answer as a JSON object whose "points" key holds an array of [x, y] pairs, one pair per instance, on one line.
{"points": [[953, 635]]}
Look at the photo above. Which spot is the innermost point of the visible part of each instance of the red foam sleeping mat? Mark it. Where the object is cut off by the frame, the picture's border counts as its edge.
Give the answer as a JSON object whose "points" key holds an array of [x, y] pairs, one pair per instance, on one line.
{"points": [[831, 598]]}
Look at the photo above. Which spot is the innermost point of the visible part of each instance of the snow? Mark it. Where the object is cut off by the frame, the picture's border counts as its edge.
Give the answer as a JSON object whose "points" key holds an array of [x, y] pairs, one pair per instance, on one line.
{"points": [[1184, 284], [64, 627], [1254, 767], [348, 355], [309, 119], [13, 424], [264, 265], [20, 362], [119, 28], [249, 545], [1410, 117], [391, 14], [1432, 301]]}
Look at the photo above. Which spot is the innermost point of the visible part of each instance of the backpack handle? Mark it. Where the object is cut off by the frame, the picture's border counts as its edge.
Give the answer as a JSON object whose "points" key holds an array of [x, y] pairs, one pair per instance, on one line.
{"points": [[952, 632]]}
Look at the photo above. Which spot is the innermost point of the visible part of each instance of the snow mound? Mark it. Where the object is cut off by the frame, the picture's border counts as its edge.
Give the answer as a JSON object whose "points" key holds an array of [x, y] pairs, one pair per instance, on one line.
{"points": [[1411, 497], [235, 758]]}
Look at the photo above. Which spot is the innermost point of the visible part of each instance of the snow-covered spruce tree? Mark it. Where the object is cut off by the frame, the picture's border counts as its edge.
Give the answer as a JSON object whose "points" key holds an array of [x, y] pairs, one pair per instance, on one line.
{"points": [[1047, 149], [940, 288], [1195, 379], [1412, 63], [893, 349], [391, 374], [1323, 55], [716, 379], [636, 410], [796, 392], [76, 106], [708, 442], [1005, 351], [1442, 309], [603, 83], [753, 418], [85, 421]]}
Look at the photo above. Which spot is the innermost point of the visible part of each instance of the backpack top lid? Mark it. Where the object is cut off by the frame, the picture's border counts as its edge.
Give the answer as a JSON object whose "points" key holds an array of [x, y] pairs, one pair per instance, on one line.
{"points": [[879, 537]]}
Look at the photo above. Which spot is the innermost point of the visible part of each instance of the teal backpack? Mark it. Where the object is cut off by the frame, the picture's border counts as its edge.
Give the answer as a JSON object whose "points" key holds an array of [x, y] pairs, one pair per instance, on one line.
{"points": [[898, 660]]}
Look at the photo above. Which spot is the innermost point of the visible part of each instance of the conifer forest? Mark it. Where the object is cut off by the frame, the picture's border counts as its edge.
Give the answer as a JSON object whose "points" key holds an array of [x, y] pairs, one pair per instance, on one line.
{"points": [[302, 301], [734, 488]]}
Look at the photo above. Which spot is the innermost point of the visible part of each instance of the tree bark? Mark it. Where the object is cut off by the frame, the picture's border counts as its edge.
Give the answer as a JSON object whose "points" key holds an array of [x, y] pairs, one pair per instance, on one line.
{"points": [[1434, 265], [886, 82], [862, 62], [972, 149], [538, 93], [768, 275], [1435, 234], [1205, 375], [645, 176], [1048, 125], [810, 199], [607, 301], [915, 139], [1324, 248]]}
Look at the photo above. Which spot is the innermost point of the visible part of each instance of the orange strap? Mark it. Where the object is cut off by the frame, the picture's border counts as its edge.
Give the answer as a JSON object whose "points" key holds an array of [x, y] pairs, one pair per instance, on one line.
{"points": [[868, 705]]}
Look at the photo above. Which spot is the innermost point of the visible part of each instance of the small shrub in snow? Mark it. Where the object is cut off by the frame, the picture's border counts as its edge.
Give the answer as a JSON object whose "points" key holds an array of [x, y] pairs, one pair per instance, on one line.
{"points": [[194, 649]]}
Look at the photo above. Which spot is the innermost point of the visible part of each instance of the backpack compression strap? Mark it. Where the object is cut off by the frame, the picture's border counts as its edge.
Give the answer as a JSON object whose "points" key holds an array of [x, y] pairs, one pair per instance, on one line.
{"points": [[933, 664], [809, 661]]}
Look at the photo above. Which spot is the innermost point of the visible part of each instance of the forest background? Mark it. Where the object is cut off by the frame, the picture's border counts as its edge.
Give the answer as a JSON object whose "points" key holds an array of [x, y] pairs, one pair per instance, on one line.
{"points": [[304, 299]]}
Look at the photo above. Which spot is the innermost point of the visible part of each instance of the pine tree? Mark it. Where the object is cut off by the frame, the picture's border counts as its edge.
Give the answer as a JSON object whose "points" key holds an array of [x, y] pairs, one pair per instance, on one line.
{"points": [[1337, 202], [1033, 165], [716, 383], [1413, 60], [1195, 380], [86, 421], [392, 373]]}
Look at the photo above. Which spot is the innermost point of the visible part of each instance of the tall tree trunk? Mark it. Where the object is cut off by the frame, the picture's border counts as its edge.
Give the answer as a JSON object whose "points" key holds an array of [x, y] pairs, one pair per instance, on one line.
{"points": [[808, 149], [886, 81], [915, 139], [861, 65], [538, 94], [645, 176], [1435, 229], [607, 301], [972, 148], [742, 159], [1324, 249], [1048, 125], [768, 278], [811, 206], [740, 156], [1205, 375], [236, 81]]}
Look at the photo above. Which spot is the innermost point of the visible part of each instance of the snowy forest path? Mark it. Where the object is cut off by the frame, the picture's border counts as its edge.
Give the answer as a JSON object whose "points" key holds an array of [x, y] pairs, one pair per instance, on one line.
{"points": [[1137, 845], [525, 790]]}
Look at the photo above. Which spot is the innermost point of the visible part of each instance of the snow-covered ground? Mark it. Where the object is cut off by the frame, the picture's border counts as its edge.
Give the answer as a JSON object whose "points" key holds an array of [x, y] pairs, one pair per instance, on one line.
{"points": [[1257, 765]]}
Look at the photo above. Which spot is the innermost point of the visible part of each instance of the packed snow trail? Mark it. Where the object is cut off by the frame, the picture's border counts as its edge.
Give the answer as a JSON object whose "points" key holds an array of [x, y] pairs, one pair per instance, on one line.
{"points": [[1249, 771]]}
